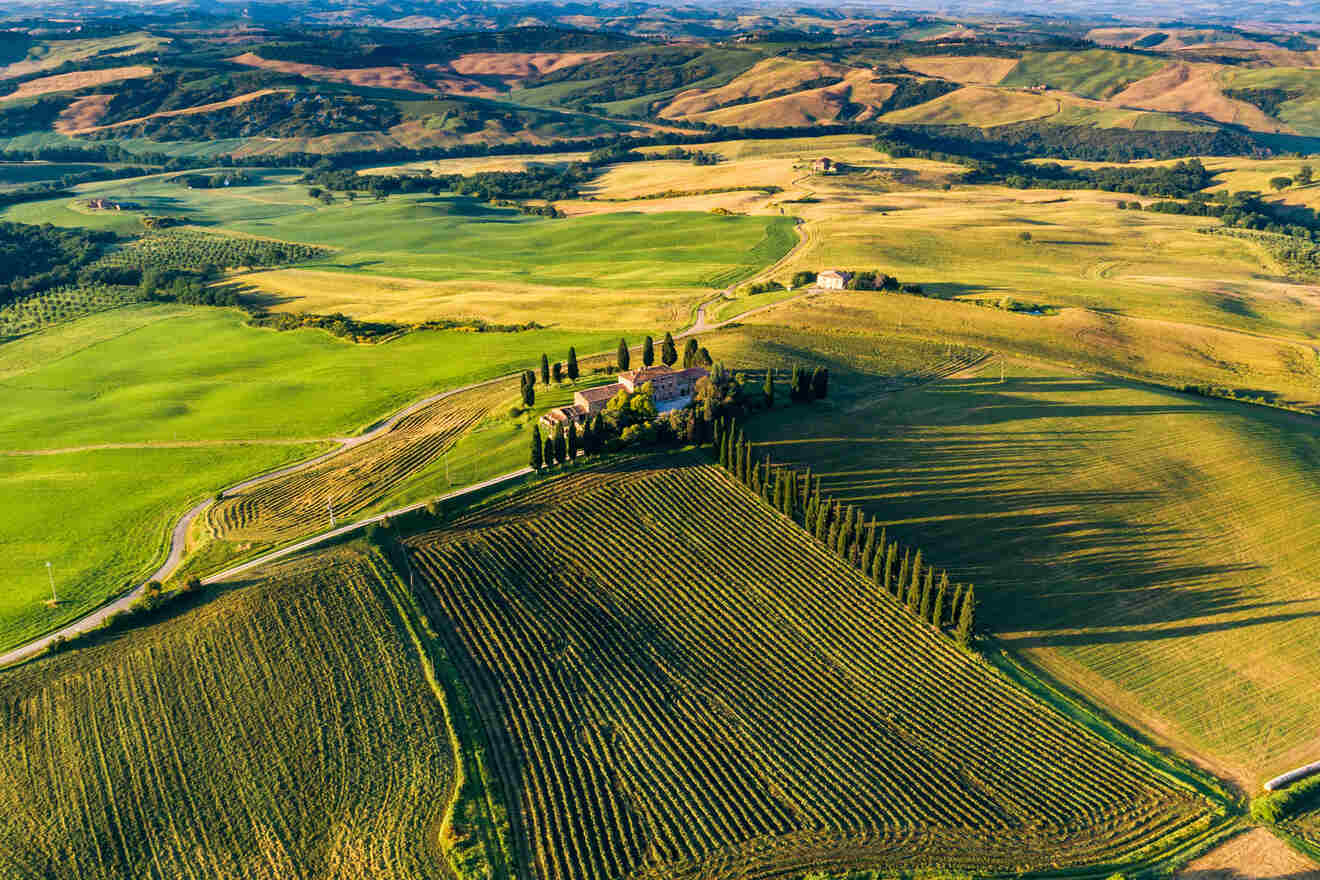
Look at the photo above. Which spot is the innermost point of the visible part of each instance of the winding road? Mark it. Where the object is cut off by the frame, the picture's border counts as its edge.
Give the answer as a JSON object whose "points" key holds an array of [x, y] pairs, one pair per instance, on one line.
{"points": [[179, 534]]}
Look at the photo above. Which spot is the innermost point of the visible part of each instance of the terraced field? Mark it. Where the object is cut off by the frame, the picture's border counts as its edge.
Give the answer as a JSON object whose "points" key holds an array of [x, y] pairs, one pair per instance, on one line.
{"points": [[678, 682], [353, 481], [282, 730]]}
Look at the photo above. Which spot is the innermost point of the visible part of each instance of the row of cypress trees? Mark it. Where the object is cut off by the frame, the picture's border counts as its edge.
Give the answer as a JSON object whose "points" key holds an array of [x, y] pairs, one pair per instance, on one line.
{"points": [[844, 529], [563, 446]]}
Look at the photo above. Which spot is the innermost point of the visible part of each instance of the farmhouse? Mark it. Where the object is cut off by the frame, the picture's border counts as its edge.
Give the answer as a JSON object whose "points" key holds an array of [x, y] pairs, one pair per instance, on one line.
{"points": [[824, 165], [670, 389], [833, 279]]}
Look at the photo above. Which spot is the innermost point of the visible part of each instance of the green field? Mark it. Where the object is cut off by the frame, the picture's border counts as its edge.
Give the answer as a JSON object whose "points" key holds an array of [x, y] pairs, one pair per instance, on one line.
{"points": [[1095, 73], [102, 519], [1150, 549], [165, 373], [727, 695], [281, 730]]}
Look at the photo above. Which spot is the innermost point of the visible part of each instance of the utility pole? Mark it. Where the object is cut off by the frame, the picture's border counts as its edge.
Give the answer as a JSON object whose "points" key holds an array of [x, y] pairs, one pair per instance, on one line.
{"points": [[54, 600]]}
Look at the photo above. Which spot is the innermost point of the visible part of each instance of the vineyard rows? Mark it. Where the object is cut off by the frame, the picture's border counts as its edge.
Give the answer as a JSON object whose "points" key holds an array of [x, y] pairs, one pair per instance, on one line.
{"points": [[37, 310], [300, 502], [188, 249], [279, 731], [680, 682]]}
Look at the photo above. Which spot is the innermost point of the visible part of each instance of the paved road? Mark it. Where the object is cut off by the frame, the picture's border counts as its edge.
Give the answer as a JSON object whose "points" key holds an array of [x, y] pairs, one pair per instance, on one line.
{"points": [[179, 534]]}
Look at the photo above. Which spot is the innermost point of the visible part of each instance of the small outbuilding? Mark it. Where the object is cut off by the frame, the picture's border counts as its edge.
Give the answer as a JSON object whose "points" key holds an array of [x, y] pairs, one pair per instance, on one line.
{"points": [[824, 165], [833, 279]]}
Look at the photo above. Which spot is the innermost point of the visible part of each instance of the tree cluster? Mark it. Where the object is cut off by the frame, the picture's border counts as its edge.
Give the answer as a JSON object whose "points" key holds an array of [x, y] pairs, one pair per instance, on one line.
{"points": [[845, 530], [34, 258]]}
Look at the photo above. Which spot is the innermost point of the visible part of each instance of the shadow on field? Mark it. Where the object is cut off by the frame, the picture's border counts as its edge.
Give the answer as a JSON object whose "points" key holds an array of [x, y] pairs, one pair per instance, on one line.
{"points": [[1009, 485]]}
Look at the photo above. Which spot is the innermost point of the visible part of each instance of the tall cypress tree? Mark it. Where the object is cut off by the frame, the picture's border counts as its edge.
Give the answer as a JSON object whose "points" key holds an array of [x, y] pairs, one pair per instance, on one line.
{"points": [[967, 618], [648, 352], [941, 597], [535, 460], [769, 388], [956, 605], [572, 440], [891, 554], [573, 372], [545, 369], [867, 559], [561, 447], [668, 353], [822, 523], [916, 571], [548, 451], [622, 355], [528, 389], [690, 352], [927, 593], [900, 589], [794, 382], [587, 442]]}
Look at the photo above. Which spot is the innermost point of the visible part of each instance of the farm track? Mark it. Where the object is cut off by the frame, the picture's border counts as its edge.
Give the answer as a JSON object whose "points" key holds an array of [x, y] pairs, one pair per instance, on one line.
{"points": [[179, 533]]}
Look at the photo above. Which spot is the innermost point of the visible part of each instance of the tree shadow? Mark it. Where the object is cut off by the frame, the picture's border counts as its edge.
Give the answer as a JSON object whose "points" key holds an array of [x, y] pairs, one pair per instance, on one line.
{"points": [[986, 478]]}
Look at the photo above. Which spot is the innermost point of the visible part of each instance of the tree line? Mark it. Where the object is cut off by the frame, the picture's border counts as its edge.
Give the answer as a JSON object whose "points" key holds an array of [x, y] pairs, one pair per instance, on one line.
{"points": [[846, 531]]}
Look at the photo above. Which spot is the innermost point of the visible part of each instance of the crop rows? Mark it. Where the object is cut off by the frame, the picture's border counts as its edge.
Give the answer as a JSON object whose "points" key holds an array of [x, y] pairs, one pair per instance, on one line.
{"points": [[280, 731], [37, 310], [352, 481], [188, 249], [679, 682]]}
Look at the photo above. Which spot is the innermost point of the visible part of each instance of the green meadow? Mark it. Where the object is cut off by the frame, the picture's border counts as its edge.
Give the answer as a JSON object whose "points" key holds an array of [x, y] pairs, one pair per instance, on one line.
{"points": [[166, 373], [102, 518], [1096, 73]]}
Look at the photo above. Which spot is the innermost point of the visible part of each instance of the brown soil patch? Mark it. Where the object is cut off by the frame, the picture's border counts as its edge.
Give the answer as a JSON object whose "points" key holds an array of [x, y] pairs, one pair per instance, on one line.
{"points": [[80, 79], [187, 111], [372, 77], [972, 69], [83, 113], [518, 65], [765, 77], [446, 82], [1194, 88], [807, 107], [978, 105], [1256, 855]]}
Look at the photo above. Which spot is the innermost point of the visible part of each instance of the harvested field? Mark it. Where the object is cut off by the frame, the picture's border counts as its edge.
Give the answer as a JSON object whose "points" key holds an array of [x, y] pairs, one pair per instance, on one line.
{"points": [[519, 65], [678, 682], [982, 106], [235, 101], [807, 107], [56, 53], [280, 730], [765, 77], [83, 114], [81, 79], [369, 77], [968, 69], [1255, 855], [298, 504], [1195, 88]]}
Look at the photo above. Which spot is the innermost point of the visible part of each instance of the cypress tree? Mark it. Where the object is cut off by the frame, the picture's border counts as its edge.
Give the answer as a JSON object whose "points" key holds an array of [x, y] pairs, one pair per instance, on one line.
{"points": [[598, 432], [545, 369], [557, 372], [867, 559], [955, 605], [548, 451], [927, 593], [754, 483], [901, 587], [914, 597], [572, 364], [587, 443], [668, 353], [832, 534], [648, 352], [767, 484], [822, 523], [941, 596], [806, 488], [967, 617], [561, 447], [887, 581], [690, 353], [622, 355], [820, 383], [535, 460], [809, 516], [769, 388], [794, 381], [572, 441], [528, 389], [916, 571], [697, 429]]}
